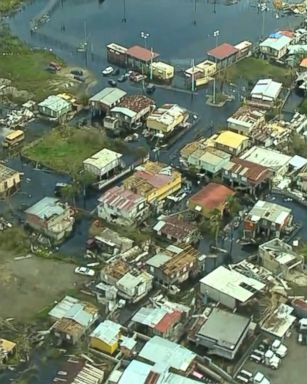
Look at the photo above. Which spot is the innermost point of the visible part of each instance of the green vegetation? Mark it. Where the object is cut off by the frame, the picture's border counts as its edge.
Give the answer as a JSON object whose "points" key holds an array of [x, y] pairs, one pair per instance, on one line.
{"points": [[8, 5], [14, 239], [26, 68], [297, 145], [303, 107], [252, 69], [65, 148]]}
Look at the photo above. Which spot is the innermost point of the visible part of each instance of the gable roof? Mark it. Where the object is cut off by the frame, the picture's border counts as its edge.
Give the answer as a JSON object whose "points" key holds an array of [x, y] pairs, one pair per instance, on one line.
{"points": [[223, 51]]}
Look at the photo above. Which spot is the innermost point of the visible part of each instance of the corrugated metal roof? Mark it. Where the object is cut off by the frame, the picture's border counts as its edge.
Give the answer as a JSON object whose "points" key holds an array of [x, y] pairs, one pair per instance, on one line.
{"points": [[46, 208], [108, 96], [276, 43], [62, 307], [222, 51], [266, 89], [124, 111], [158, 260], [79, 315], [167, 353], [141, 53], [107, 331], [103, 158], [55, 103], [149, 316]]}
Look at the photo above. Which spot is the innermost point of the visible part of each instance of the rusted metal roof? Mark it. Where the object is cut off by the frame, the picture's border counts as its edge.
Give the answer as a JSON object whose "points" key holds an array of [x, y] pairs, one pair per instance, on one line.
{"points": [[141, 53], [254, 173], [212, 196], [223, 51]]}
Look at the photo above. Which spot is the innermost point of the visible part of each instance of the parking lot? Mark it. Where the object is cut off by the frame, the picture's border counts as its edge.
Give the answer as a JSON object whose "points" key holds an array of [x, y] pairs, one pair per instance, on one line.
{"points": [[292, 368]]}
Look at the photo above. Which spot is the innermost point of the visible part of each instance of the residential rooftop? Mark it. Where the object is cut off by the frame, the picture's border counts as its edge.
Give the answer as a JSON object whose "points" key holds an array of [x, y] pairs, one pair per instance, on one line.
{"points": [[271, 212], [121, 199], [167, 114], [175, 227], [230, 139], [253, 172], [159, 319], [46, 208], [140, 53], [232, 283], [223, 51], [107, 331], [276, 43], [6, 173], [266, 157], [212, 196], [247, 117], [266, 90], [77, 371], [108, 96], [103, 158], [55, 103]]}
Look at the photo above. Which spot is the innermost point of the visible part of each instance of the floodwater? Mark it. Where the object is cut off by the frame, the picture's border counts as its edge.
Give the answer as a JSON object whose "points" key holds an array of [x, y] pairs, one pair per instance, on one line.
{"points": [[172, 33]]}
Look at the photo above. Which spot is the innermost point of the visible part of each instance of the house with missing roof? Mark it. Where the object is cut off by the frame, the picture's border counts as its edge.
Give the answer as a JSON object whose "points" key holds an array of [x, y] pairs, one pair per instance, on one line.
{"points": [[210, 198], [154, 181], [73, 319], [51, 217], [9, 181], [223, 333], [229, 287], [105, 337], [247, 175], [122, 206], [223, 55], [132, 110], [246, 120], [267, 220]]}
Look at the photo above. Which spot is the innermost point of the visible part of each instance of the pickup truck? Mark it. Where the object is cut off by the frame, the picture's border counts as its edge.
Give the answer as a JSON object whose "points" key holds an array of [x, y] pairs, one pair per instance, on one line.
{"points": [[279, 349], [271, 360]]}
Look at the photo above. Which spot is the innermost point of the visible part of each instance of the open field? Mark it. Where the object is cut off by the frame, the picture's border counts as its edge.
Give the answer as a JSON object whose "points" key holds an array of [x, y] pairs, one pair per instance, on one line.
{"points": [[64, 149], [29, 285], [252, 69]]}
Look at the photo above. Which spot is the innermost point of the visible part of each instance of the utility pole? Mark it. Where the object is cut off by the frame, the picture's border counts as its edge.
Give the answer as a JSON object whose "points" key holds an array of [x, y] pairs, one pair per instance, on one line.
{"points": [[151, 57], [124, 20], [193, 76], [216, 34], [195, 11], [145, 35], [262, 29]]}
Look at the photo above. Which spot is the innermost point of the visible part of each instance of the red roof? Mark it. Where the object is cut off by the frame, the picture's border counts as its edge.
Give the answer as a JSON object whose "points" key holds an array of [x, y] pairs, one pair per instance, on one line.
{"points": [[212, 196], [254, 173], [223, 51], [168, 321], [141, 53], [121, 199], [154, 179]]}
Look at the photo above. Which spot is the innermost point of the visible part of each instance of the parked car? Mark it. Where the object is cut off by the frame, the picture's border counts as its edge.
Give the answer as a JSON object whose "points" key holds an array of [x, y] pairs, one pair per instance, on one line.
{"points": [[113, 83], [108, 71], [259, 378], [77, 72], [279, 349], [150, 89], [271, 360], [85, 271], [122, 78]]}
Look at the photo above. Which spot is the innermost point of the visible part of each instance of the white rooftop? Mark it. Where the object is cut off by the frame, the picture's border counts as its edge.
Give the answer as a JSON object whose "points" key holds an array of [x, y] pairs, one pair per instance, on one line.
{"points": [[266, 90], [108, 96], [55, 103], [107, 331], [271, 212], [280, 321], [103, 158], [276, 43], [232, 283], [266, 157]]}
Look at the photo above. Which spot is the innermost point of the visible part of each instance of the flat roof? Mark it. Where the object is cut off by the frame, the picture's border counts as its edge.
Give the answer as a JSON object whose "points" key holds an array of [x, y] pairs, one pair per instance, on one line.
{"points": [[232, 283], [141, 53], [212, 196], [230, 139], [108, 96], [226, 328], [6, 172], [266, 89], [62, 307], [46, 208], [55, 103], [13, 135], [103, 158], [158, 260], [223, 51], [107, 331], [167, 353], [276, 43], [272, 212], [266, 157]]}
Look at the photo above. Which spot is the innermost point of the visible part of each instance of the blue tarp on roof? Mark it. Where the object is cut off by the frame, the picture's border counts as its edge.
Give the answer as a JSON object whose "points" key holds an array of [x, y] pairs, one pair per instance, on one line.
{"points": [[276, 35]]}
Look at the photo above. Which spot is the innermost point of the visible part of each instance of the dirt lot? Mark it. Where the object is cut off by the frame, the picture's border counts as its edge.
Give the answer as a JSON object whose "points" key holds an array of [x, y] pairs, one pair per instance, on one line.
{"points": [[292, 368], [29, 285]]}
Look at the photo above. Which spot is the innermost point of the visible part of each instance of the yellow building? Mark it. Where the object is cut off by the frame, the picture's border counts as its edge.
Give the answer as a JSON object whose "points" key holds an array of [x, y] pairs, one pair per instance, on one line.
{"points": [[162, 71], [9, 180], [166, 118], [7, 349], [231, 142], [106, 336], [202, 72], [154, 181]]}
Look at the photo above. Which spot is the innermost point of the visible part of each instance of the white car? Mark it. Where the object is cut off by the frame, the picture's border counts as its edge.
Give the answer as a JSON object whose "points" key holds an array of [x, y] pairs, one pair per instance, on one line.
{"points": [[108, 71], [85, 271], [279, 349], [259, 378]]}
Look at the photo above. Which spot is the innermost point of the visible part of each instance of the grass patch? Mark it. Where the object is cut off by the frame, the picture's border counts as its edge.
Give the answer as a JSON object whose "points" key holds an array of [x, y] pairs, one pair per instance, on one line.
{"points": [[64, 149], [26, 68], [14, 239], [252, 69], [303, 107]]}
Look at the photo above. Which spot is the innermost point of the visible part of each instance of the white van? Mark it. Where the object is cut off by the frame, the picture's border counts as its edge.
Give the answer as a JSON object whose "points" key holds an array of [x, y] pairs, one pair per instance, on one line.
{"points": [[256, 358], [242, 379], [245, 373]]}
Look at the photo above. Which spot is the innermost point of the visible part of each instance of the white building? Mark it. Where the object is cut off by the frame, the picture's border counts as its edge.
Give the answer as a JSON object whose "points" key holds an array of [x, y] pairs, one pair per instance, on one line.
{"points": [[266, 90], [229, 287], [102, 162], [276, 161], [134, 285], [276, 46]]}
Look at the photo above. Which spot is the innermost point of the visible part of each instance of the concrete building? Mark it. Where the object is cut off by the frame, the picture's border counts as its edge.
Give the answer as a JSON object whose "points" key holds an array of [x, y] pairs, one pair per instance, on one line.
{"points": [[266, 220], [103, 162], [157, 321], [7, 350], [105, 337], [174, 264], [162, 71], [140, 58], [122, 206], [117, 54], [275, 47], [208, 159], [168, 354], [276, 161], [110, 243], [105, 100], [231, 142], [54, 107], [132, 284], [166, 118], [223, 55], [201, 73], [51, 217], [154, 181], [244, 49], [246, 120], [265, 93], [9, 181], [174, 228], [223, 333], [279, 258], [78, 371], [210, 198], [132, 110], [228, 287], [74, 318], [246, 174]]}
